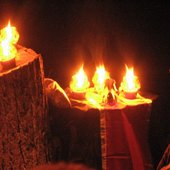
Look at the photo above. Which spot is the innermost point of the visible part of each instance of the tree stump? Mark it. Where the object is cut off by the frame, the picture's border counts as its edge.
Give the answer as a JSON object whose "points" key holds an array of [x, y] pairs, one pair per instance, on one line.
{"points": [[22, 113], [121, 131]]}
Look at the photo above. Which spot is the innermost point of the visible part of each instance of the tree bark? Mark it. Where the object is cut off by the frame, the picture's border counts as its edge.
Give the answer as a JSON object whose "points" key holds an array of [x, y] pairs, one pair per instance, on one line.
{"points": [[22, 113]]}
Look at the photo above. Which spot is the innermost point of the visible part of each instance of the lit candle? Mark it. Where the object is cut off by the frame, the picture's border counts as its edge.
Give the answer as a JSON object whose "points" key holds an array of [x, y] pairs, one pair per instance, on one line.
{"points": [[8, 38], [99, 78], [79, 84], [130, 84]]}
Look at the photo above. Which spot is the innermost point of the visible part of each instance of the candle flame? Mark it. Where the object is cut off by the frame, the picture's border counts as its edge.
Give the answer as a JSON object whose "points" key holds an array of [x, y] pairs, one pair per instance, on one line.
{"points": [[8, 38], [128, 91], [79, 81], [97, 96], [104, 93], [130, 81], [100, 77]]}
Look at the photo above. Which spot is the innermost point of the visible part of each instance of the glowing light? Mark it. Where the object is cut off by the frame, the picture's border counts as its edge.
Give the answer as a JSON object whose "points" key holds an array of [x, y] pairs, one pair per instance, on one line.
{"points": [[79, 81], [100, 77], [93, 99], [130, 81], [129, 90], [104, 94], [137, 101], [8, 38]]}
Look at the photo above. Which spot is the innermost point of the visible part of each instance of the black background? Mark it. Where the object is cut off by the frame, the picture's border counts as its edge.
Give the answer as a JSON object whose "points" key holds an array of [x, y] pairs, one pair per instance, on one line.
{"points": [[69, 33]]}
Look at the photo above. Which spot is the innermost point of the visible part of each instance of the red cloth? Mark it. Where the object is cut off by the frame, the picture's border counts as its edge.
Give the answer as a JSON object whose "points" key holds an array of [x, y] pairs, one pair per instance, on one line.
{"points": [[124, 136]]}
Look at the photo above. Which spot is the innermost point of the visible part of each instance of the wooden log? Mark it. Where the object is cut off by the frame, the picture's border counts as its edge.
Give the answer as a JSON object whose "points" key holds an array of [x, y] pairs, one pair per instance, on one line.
{"points": [[123, 133], [22, 113]]}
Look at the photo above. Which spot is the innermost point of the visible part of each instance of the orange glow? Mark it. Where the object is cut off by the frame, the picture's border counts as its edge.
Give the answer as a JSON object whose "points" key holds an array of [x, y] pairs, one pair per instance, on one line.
{"points": [[99, 78], [104, 94], [130, 81], [129, 90], [99, 95], [137, 101], [8, 38], [93, 99], [99, 100], [79, 81]]}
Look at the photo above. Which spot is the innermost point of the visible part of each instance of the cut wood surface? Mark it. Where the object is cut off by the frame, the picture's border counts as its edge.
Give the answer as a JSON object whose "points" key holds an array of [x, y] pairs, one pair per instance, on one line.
{"points": [[22, 113]]}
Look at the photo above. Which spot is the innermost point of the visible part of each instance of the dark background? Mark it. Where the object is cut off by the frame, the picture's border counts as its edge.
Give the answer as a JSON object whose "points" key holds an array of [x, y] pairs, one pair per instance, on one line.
{"points": [[69, 33]]}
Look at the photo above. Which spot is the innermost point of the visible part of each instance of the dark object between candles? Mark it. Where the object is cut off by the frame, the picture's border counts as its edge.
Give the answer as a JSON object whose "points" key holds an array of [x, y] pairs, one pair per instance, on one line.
{"points": [[110, 99]]}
